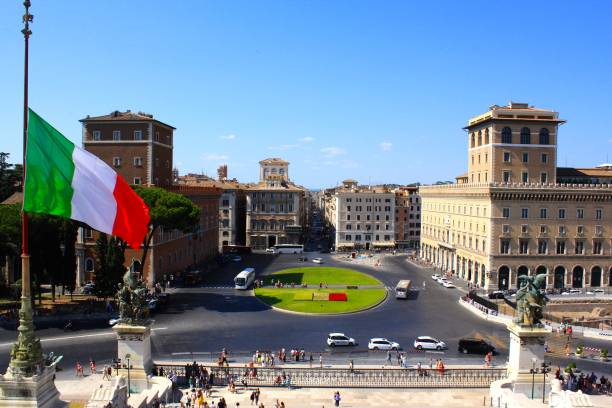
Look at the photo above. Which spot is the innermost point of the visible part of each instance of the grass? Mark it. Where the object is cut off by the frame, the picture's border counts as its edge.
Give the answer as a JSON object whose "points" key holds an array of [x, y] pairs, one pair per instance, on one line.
{"points": [[313, 275], [358, 299]]}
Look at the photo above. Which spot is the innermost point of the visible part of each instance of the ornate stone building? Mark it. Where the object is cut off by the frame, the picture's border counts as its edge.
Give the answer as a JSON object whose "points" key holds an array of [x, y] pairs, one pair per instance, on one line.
{"points": [[276, 207], [509, 217]]}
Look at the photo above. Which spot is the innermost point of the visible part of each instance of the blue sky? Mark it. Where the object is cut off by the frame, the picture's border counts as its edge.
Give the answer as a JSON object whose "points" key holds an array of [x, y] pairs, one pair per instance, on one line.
{"points": [[373, 90]]}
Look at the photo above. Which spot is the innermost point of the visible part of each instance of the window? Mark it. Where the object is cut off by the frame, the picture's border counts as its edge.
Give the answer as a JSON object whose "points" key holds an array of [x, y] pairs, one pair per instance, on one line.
{"points": [[357, 237], [579, 247], [561, 213], [96, 135], [560, 247], [347, 237], [349, 226], [544, 157], [116, 135], [524, 229], [542, 246], [479, 138], [88, 232], [544, 136], [561, 230], [525, 157], [580, 213], [543, 213], [137, 181], [580, 230], [89, 265], [543, 177], [506, 212], [138, 135], [167, 164], [523, 246], [525, 136], [117, 161], [506, 176], [137, 161], [507, 135], [506, 228], [597, 248], [504, 246], [525, 177], [524, 213], [506, 157], [599, 213]]}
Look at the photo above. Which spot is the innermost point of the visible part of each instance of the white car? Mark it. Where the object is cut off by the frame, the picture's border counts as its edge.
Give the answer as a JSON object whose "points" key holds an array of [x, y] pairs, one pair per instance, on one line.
{"points": [[428, 343], [448, 285], [340, 339], [382, 344], [575, 291], [318, 260], [441, 281], [600, 291], [270, 250], [435, 276]]}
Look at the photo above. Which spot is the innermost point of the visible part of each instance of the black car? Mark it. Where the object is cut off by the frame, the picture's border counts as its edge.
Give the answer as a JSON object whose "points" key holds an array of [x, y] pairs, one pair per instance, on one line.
{"points": [[498, 294], [475, 346]]}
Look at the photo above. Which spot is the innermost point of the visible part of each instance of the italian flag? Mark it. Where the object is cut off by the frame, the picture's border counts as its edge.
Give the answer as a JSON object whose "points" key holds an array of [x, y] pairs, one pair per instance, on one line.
{"points": [[65, 180]]}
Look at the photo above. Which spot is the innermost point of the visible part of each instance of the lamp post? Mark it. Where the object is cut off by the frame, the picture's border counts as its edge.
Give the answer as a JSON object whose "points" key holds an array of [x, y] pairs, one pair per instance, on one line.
{"points": [[545, 370], [533, 371], [127, 358]]}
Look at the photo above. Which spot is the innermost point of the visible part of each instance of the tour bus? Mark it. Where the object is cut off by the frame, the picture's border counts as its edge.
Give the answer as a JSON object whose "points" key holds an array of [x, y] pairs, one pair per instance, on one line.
{"points": [[288, 249], [402, 289], [244, 279]]}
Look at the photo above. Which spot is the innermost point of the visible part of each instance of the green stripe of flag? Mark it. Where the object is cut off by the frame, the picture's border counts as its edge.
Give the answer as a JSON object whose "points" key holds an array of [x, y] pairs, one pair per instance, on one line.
{"points": [[49, 169]]}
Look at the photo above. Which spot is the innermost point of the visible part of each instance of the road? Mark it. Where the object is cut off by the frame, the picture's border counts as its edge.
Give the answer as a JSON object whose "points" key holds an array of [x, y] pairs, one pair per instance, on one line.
{"points": [[202, 320]]}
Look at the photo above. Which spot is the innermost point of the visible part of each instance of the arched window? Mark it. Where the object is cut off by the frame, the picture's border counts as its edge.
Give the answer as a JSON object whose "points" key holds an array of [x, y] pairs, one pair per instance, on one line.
{"points": [[525, 136], [473, 141], [544, 136], [486, 140], [503, 279], [89, 265], [507, 135], [479, 138], [577, 277], [596, 276], [522, 271], [559, 279]]}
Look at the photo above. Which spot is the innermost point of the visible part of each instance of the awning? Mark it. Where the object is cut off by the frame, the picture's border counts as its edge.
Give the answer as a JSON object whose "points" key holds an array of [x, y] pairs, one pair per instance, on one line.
{"points": [[346, 245], [384, 244]]}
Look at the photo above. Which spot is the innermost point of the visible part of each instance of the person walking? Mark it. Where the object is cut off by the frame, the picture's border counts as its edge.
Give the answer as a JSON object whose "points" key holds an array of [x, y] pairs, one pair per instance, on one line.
{"points": [[337, 398], [389, 357], [252, 397], [320, 360], [257, 393]]}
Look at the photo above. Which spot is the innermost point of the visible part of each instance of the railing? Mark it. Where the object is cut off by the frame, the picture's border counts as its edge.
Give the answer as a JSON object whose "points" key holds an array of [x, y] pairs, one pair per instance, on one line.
{"points": [[343, 377]]}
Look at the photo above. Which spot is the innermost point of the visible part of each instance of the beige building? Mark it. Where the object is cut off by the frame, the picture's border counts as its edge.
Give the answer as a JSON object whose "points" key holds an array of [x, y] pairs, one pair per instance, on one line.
{"points": [[508, 216], [275, 208], [361, 217]]}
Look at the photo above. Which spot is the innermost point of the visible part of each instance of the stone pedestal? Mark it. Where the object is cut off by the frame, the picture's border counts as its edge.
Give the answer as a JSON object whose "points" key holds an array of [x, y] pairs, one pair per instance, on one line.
{"points": [[17, 391], [135, 341], [526, 353]]}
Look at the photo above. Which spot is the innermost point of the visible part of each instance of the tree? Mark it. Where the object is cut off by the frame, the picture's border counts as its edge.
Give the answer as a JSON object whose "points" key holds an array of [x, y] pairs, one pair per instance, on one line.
{"points": [[168, 211], [10, 177], [110, 255], [10, 230]]}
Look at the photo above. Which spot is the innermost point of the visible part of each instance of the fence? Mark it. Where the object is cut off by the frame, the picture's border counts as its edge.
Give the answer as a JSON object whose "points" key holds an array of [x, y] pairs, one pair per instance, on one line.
{"points": [[343, 377]]}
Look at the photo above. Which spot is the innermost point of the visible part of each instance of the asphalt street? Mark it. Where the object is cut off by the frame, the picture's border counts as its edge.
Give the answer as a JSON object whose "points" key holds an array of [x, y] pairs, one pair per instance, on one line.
{"points": [[199, 321]]}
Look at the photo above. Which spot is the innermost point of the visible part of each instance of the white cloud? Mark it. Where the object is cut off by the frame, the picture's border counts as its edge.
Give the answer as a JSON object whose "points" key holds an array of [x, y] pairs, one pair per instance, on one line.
{"points": [[331, 151], [228, 137], [215, 157], [386, 146], [306, 139]]}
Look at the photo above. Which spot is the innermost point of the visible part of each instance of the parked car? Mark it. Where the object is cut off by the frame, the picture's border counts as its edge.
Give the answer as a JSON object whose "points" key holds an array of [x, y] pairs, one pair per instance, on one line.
{"points": [[600, 291], [435, 276], [382, 344], [498, 294], [474, 346], [428, 343], [448, 285], [270, 250], [340, 339], [318, 260]]}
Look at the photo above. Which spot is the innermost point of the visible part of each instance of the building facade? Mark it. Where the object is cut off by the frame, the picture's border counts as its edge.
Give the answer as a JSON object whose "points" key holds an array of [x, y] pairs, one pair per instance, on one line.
{"points": [[509, 217], [361, 217], [139, 148], [407, 217], [275, 207]]}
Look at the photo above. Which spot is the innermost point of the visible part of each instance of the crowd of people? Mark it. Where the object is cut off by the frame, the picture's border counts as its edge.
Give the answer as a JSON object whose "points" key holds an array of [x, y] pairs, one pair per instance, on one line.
{"points": [[587, 383]]}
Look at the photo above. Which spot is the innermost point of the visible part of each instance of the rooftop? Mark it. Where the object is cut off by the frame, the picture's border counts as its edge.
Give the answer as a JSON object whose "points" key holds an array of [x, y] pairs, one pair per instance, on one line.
{"points": [[516, 111], [273, 160], [127, 116]]}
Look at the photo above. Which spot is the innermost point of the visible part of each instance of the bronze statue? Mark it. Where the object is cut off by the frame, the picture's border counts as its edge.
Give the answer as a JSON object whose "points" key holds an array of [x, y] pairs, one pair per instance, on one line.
{"points": [[531, 300], [133, 306]]}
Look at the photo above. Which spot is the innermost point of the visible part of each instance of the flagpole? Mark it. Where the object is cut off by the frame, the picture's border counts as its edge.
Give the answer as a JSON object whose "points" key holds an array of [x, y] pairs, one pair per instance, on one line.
{"points": [[26, 354]]}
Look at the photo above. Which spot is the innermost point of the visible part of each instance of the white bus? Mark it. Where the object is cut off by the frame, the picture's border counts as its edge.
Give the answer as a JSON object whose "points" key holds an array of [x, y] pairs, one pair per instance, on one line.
{"points": [[288, 249], [244, 279], [402, 289]]}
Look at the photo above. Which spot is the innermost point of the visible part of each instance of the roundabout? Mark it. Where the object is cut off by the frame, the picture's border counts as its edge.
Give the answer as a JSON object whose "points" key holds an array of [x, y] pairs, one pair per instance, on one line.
{"points": [[321, 290]]}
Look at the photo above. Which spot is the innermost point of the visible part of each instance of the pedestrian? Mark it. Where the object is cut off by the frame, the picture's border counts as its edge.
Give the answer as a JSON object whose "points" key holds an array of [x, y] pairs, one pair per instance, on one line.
{"points": [[337, 398], [389, 357], [311, 360], [320, 360], [92, 366], [488, 358], [398, 357], [351, 366], [257, 392], [424, 285], [252, 397], [79, 369]]}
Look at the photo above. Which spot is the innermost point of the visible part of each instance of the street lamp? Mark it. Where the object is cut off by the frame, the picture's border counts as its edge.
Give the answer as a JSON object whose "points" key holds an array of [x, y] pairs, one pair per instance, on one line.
{"points": [[545, 370], [127, 358], [533, 371]]}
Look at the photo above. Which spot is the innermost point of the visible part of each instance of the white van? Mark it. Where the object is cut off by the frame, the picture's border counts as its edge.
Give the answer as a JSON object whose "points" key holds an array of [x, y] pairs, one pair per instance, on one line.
{"points": [[244, 279], [402, 289]]}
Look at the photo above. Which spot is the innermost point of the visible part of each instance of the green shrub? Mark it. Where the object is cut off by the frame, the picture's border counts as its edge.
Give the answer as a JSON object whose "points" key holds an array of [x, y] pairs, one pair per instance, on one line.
{"points": [[579, 349], [603, 353]]}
